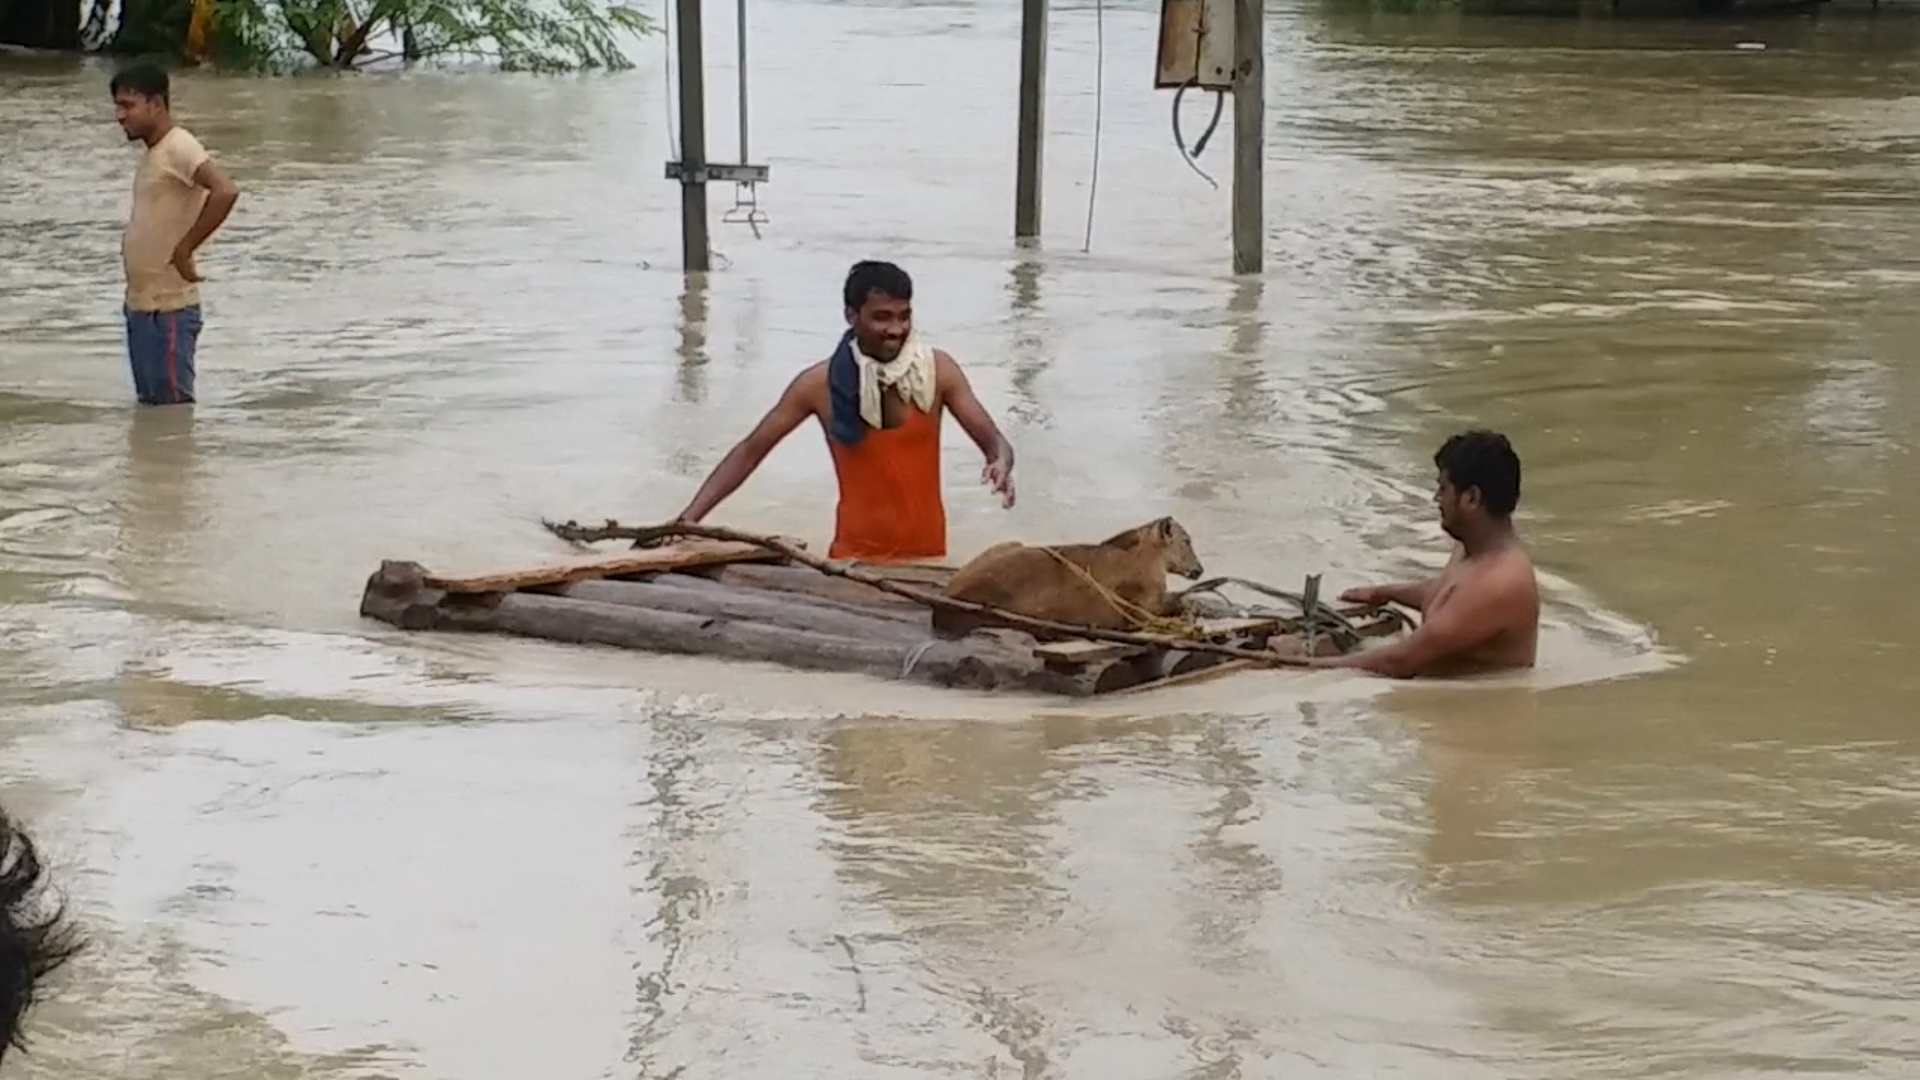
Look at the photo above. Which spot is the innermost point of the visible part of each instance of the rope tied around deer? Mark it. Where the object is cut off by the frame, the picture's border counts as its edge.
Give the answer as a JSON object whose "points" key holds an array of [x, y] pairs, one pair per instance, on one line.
{"points": [[1142, 619], [1186, 636]]}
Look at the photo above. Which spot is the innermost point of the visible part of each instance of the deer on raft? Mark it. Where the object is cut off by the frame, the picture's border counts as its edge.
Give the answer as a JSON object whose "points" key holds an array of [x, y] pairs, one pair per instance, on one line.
{"points": [[1052, 582]]}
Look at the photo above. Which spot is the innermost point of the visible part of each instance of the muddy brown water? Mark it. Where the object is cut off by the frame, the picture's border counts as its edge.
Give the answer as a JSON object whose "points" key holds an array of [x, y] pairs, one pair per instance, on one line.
{"points": [[1680, 273]]}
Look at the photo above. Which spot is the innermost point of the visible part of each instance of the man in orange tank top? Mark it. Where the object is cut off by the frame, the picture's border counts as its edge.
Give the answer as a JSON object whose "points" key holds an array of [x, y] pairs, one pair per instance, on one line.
{"points": [[879, 398]]}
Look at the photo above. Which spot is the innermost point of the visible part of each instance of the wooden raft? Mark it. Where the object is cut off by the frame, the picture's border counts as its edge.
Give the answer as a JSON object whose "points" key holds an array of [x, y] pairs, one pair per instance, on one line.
{"points": [[736, 601]]}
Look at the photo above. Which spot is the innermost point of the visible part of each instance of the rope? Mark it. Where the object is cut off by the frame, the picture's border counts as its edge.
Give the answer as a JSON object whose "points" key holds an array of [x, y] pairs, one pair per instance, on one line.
{"points": [[913, 657], [1142, 618]]}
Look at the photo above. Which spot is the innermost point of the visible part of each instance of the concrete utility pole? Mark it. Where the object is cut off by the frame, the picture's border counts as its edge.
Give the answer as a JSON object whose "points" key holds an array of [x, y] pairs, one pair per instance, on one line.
{"points": [[1033, 94], [1249, 136], [693, 170], [696, 249]]}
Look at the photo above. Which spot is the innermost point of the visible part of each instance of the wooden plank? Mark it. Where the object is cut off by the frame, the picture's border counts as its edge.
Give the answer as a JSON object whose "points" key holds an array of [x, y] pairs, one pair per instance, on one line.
{"points": [[1219, 628], [1079, 651], [647, 560]]}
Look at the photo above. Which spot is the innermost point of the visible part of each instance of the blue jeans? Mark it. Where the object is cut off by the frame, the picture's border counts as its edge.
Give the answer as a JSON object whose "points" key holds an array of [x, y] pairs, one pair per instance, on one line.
{"points": [[160, 347]]}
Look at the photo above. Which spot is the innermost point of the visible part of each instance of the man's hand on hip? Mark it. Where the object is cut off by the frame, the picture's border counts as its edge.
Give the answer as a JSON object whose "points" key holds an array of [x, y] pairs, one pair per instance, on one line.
{"points": [[183, 264]]}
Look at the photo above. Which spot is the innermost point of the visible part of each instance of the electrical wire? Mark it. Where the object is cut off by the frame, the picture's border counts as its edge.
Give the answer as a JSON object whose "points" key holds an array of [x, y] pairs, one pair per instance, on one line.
{"points": [[1099, 110], [1200, 146], [666, 73]]}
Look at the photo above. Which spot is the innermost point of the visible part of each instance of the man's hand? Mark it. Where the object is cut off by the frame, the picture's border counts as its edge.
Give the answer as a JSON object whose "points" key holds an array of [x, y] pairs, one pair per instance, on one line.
{"points": [[999, 474], [958, 396], [1371, 595], [669, 538], [183, 263]]}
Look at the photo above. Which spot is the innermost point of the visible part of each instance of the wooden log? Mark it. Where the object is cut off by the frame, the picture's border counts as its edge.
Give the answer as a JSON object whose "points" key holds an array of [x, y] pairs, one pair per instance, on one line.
{"points": [[397, 594], [889, 608], [1003, 660], [789, 610], [559, 618], [802, 579]]}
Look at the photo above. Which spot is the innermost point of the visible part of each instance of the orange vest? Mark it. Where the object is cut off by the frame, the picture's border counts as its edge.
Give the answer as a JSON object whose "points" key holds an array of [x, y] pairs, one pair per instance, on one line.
{"points": [[890, 508]]}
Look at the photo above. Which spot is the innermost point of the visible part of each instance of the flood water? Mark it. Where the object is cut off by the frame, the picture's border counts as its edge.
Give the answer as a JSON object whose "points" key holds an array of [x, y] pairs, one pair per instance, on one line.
{"points": [[1680, 274]]}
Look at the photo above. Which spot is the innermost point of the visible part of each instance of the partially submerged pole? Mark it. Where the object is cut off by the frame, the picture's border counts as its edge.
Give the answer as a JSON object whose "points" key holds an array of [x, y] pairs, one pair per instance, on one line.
{"points": [[1249, 136], [1033, 93], [691, 170]]}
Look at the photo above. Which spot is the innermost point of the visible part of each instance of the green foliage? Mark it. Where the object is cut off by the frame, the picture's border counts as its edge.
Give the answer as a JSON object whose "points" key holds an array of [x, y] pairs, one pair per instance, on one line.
{"points": [[542, 36]]}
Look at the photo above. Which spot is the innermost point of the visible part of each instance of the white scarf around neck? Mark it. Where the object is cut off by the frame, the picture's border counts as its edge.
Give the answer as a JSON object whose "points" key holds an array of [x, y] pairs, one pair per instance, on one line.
{"points": [[911, 372]]}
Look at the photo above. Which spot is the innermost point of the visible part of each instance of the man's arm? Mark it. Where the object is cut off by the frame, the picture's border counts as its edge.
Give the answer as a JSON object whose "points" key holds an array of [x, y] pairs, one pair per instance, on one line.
{"points": [[957, 393], [1471, 617], [793, 408], [222, 193], [1413, 594]]}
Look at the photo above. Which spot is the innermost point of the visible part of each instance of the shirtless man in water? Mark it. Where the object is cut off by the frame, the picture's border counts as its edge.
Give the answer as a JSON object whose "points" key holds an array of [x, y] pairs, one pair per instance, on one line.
{"points": [[1481, 613]]}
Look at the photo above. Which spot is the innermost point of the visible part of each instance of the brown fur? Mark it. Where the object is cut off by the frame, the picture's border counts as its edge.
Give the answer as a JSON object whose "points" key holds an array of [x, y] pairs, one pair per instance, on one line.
{"points": [[1028, 581]]}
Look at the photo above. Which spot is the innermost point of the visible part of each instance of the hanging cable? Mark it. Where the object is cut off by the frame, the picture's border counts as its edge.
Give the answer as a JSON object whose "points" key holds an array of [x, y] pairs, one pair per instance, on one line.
{"points": [[1200, 146], [666, 72], [1099, 110], [1219, 104]]}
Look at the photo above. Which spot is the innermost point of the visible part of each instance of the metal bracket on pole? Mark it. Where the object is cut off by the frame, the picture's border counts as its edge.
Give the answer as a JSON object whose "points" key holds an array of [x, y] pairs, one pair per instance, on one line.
{"points": [[714, 173]]}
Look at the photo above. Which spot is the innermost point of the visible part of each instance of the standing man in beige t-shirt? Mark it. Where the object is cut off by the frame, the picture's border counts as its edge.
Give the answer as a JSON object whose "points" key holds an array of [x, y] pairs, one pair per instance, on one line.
{"points": [[179, 198]]}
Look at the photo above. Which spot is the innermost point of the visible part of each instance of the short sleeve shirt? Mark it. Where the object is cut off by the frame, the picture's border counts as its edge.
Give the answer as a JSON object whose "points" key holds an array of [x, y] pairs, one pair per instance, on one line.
{"points": [[166, 203]]}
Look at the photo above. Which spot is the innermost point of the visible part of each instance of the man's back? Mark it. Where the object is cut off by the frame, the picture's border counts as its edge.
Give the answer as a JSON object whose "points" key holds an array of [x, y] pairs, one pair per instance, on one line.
{"points": [[1505, 609]]}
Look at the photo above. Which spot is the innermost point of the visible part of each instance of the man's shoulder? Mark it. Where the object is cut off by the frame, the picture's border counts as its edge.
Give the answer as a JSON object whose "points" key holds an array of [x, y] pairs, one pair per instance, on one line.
{"points": [[810, 385], [1511, 577], [946, 370], [182, 136], [1517, 563], [183, 148], [1503, 575]]}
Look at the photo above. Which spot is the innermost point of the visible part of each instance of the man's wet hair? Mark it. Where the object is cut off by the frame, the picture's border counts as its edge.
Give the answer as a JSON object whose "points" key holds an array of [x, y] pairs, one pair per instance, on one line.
{"points": [[143, 78], [1483, 459], [871, 276], [35, 940]]}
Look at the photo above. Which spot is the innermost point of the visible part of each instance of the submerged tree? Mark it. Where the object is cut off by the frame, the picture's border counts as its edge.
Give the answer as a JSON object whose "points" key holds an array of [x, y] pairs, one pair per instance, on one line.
{"points": [[279, 35]]}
